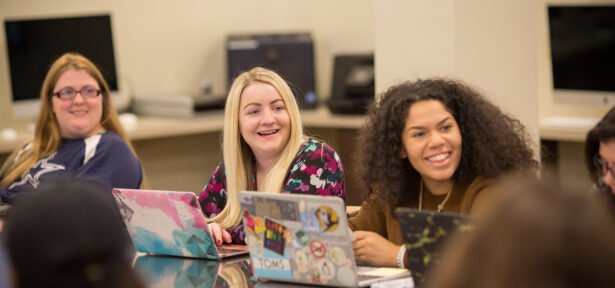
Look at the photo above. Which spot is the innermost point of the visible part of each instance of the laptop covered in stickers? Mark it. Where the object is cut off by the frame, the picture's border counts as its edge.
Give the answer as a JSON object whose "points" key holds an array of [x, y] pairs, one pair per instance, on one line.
{"points": [[425, 233], [304, 239], [169, 223]]}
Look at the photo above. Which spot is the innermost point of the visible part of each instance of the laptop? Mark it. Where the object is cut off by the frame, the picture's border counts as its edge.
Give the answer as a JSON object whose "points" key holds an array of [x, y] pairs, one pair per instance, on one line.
{"points": [[304, 239], [169, 223], [164, 271], [425, 233]]}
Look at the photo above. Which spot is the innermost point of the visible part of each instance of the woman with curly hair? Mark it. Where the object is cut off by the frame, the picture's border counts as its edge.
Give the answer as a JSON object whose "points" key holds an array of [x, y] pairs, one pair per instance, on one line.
{"points": [[432, 144], [600, 158]]}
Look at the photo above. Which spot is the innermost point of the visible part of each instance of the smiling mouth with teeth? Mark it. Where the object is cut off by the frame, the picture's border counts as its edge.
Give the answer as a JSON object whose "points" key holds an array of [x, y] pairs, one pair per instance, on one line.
{"points": [[439, 157], [267, 132]]}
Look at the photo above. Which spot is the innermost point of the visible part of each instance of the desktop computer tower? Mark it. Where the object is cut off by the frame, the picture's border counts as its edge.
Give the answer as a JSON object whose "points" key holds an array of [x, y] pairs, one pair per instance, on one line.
{"points": [[290, 55]]}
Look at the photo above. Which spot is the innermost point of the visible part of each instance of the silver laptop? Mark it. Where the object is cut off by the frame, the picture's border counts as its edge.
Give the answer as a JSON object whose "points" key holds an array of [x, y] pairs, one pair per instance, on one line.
{"points": [[304, 239], [169, 223]]}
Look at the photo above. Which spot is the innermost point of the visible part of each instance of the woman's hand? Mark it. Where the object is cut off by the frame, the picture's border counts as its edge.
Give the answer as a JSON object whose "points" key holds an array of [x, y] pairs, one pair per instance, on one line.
{"points": [[219, 234], [372, 248]]}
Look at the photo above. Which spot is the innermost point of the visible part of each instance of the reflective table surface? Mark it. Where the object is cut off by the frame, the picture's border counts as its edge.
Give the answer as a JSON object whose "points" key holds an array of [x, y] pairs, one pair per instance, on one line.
{"points": [[165, 271]]}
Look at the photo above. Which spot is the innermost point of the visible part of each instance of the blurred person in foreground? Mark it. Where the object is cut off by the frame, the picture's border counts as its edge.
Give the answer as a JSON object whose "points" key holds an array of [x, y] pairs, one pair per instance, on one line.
{"points": [[536, 234], [67, 233]]}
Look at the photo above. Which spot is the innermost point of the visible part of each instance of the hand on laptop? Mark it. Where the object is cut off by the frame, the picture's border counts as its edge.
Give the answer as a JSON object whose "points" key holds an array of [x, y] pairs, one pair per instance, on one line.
{"points": [[219, 234], [374, 249]]}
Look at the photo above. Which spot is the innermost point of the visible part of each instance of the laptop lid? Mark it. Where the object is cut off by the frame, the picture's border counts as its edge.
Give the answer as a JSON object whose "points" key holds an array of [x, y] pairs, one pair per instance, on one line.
{"points": [[303, 239], [424, 233], [168, 223]]}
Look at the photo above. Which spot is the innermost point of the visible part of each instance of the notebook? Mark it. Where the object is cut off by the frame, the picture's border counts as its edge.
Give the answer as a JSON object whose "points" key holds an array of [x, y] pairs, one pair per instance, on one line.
{"points": [[304, 239], [164, 271], [424, 233], [169, 223]]}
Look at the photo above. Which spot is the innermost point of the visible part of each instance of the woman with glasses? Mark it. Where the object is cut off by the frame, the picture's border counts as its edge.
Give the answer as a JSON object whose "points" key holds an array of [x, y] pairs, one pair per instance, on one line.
{"points": [[77, 135], [600, 158]]}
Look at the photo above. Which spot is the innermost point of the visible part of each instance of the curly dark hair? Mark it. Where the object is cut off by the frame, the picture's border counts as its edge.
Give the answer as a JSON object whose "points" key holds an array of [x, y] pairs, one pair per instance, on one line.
{"points": [[602, 132], [494, 143]]}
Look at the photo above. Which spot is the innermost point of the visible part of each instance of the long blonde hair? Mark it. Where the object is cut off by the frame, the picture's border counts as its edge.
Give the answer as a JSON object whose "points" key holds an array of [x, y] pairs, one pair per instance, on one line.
{"points": [[238, 156], [47, 136]]}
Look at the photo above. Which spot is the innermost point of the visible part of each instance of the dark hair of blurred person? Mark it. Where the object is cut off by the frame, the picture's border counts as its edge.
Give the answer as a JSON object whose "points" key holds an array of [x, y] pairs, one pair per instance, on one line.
{"points": [[536, 234], [68, 234]]}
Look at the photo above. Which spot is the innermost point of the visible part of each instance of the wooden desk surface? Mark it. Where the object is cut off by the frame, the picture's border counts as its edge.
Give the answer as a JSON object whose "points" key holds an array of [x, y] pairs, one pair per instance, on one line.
{"points": [[151, 127], [566, 128]]}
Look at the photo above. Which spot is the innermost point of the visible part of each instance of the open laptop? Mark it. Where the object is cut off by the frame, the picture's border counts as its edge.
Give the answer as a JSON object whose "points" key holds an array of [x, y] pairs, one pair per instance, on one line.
{"points": [[424, 233], [169, 223], [304, 239]]}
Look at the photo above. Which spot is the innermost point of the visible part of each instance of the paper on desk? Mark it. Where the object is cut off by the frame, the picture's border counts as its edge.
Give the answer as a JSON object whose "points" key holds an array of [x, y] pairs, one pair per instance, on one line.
{"points": [[385, 272], [405, 282]]}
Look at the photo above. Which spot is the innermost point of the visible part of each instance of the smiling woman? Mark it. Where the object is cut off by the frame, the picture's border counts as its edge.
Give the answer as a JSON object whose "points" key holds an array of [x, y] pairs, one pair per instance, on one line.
{"points": [[77, 135], [432, 144], [264, 149]]}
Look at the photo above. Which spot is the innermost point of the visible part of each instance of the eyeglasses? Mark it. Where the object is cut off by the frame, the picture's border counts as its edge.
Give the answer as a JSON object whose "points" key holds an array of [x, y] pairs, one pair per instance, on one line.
{"points": [[604, 167], [70, 93]]}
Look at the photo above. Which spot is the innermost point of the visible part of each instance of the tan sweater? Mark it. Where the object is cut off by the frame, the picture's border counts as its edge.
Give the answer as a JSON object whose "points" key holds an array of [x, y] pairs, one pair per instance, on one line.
{"points": [[377, 217]]}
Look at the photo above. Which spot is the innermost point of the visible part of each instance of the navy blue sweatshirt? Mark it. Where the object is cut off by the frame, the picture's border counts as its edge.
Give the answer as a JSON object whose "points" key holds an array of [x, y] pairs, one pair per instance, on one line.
{"points": [[104, 157]]}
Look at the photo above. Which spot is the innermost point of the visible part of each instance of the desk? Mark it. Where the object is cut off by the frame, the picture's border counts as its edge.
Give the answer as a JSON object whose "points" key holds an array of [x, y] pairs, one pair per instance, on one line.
{"points": [[181, 153], [563, 153], [162, 271], [566, 128], [151, 127]]}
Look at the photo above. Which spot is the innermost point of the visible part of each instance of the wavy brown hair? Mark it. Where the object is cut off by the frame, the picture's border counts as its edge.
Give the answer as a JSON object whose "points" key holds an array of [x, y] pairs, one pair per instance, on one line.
{"points": [[494, 143]]}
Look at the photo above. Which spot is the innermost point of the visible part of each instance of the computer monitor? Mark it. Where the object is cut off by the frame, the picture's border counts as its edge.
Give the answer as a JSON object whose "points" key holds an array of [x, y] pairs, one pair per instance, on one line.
{"points": [[290, 55], [582, 40], [33, 45]]}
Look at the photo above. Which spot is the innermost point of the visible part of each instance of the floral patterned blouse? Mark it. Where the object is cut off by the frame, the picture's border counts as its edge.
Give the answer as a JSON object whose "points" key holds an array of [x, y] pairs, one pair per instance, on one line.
{"points": [[316, 169]]}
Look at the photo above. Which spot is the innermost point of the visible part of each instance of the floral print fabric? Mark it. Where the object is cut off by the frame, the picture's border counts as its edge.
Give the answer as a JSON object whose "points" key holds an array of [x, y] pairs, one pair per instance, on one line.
{"points": [[316, 170]]}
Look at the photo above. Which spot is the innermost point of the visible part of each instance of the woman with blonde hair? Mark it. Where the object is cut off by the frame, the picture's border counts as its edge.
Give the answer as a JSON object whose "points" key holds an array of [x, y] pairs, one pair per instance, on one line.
{"points": [[264, 149], [77, 134]]}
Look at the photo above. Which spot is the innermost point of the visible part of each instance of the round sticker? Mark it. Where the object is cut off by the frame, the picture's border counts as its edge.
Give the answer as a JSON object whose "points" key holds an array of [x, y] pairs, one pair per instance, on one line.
{"points": [[301, 260], [346, 276], [326, 269], [318, 249], [337, 255]]}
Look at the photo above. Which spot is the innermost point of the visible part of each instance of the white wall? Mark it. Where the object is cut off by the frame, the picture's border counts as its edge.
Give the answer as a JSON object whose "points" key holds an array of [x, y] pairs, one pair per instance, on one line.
{"points": [[489, 44], [171, 46]]}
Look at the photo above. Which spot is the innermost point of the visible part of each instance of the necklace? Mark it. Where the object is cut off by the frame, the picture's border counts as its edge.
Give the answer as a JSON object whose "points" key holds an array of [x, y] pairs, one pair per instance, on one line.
{"points": [[440, 206]]}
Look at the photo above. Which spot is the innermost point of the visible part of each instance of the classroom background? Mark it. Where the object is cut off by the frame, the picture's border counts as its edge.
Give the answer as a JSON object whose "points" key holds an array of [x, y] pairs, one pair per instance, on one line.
{"points": [[172, 47]]}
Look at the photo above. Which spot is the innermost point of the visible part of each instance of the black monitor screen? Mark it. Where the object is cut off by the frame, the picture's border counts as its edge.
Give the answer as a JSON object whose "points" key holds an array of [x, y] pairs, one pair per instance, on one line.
{"points": [[34, 44], [290, 55], [582, 42]]}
